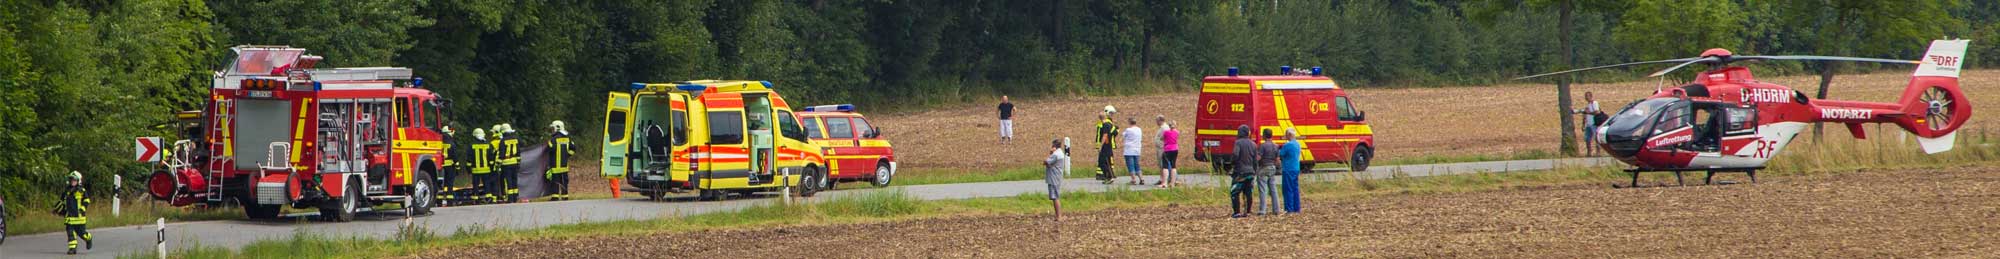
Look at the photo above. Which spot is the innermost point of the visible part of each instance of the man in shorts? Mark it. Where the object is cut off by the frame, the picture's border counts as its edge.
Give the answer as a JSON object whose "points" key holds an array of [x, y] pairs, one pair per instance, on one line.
{"points": [[1055, 166]]}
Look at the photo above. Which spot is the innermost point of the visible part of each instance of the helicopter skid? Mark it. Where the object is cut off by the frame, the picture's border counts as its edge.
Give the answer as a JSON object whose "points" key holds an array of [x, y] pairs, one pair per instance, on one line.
{"points": [[1680, 180]]}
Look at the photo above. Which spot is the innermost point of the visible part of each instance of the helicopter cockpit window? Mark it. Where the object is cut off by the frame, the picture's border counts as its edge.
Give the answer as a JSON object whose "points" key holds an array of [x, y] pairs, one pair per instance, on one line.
{"points": [[1673, 117]]}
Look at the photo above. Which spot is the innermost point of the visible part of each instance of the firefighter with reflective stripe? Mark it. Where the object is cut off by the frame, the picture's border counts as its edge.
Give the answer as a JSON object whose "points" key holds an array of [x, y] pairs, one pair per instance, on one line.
{"points": [[1107, 132], [72, 207], [451, 165], [510, 162], [482, 165], [560, 150]]}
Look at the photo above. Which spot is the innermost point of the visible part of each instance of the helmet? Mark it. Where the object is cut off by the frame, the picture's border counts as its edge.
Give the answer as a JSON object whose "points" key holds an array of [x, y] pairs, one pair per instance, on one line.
{"points": [[478, 133], [509, 128], [1109, 109], [558, 125], [447, 130], [497, 129], [75, 176]]}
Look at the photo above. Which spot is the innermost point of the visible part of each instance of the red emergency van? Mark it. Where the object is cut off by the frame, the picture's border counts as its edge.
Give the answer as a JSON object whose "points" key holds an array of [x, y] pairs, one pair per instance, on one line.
{"points": [[1331, 129], [855, 149]]}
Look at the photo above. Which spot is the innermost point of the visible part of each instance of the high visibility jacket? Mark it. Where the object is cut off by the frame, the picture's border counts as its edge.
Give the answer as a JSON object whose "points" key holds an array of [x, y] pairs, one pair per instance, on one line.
{"points": [[510, 151], [74, 202], [482, 158], [450, 155], [560, 150]]}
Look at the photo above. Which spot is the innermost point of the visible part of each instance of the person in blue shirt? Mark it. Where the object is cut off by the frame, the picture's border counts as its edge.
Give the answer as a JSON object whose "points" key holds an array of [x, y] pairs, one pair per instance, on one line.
{"points": [[1288, 156]]}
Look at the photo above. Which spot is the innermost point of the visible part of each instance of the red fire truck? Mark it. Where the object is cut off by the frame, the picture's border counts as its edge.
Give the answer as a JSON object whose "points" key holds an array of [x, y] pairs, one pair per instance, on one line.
{"points": [[277, 132], [1330, 129]]}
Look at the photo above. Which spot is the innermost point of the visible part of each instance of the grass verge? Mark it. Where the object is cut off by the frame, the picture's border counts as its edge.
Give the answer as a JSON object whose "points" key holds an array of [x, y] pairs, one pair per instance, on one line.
{"points": [[1825, 157], [28, 221]]}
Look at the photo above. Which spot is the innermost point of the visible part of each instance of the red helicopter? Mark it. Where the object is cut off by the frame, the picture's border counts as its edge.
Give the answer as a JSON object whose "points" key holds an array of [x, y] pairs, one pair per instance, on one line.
{"points": [[1727, 121]]}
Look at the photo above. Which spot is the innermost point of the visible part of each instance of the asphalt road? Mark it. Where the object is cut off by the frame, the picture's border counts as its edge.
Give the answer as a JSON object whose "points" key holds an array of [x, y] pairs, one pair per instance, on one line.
{"points": [[115, 241]]}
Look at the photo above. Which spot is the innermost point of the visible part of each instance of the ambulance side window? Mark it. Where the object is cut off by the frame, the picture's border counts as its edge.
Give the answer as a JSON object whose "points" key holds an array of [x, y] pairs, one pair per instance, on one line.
{"points": [[839, 128], [789, 125], [861, 125], [679, 127], [725, 127], [812, 128], [1347, 112]]}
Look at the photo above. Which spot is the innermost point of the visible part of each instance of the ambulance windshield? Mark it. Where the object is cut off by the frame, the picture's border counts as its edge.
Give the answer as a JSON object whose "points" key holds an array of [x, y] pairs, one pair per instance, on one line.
{"points": [[262, 61]]}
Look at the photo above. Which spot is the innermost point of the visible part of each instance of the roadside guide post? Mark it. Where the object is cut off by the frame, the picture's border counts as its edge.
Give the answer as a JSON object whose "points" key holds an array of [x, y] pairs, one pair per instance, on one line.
{"points": [[117, 186], [160, 244]]}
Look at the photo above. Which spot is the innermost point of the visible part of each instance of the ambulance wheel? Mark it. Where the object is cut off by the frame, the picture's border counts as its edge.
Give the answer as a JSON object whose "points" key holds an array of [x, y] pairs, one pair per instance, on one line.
{"points": [[710, 195], [882, 175], [423, 195], [254, 211], [1359, 160], [811, 183], [349, 203]]}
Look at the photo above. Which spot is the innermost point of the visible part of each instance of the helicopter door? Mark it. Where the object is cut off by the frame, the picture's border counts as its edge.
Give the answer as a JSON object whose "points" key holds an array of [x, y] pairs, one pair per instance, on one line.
{"points": [[1742, 121], [1671, 127]]}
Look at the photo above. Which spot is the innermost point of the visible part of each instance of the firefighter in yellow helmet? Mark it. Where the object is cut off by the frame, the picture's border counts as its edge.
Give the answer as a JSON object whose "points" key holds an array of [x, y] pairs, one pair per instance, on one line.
{"points": [[72, 207], [560, 151], [451, 165], [510, 162], [482, 165]]}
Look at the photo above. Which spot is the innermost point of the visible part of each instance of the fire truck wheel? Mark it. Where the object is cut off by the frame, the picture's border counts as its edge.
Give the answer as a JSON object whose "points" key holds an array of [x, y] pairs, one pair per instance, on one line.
{"points": [[1359, 160], [255, 211], [344, 211], [423, 195], [882, 174]]}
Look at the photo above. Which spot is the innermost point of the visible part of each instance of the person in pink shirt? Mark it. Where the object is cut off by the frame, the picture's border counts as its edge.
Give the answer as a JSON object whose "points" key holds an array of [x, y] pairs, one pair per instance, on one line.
{"points": [[1170, 150]]}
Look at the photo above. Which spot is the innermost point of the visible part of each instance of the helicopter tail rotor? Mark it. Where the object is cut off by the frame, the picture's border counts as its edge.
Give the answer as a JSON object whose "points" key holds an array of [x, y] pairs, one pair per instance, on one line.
{"points": [[1936, 106]]}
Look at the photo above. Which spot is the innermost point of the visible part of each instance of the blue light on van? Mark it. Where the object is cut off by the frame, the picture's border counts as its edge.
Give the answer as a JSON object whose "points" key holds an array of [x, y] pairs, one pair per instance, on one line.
{"points": [[692, 87], [638, 86], [1232, 71], [1316, 71]]}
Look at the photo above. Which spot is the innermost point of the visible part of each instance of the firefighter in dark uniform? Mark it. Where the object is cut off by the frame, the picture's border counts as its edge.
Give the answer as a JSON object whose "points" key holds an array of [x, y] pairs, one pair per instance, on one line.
{"points": [[560, 150], [72, 207], [482, 166], [452, 169], [1107, 132], [510, 162]]}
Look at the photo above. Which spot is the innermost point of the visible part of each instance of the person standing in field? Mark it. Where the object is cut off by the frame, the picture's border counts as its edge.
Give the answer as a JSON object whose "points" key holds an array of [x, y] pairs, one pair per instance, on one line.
{"points": [[1267, 175], [1242, 166], [1055, 166], [1170, 150], [1288, 156], [1591, 119], [1006, 120], [1133, 139]]}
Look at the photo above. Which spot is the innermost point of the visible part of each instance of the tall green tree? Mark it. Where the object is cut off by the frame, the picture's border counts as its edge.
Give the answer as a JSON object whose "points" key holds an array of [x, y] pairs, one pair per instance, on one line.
{"points": [[1838, 28]]}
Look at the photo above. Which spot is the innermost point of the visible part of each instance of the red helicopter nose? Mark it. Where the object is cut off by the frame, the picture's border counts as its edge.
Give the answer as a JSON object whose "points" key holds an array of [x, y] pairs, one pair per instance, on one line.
{"points": [[1716, 52]]}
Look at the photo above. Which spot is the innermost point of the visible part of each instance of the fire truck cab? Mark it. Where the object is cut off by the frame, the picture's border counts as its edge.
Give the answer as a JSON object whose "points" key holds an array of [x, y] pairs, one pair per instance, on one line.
{"points": [[709, 136], [277, 132], [1330, 128]]}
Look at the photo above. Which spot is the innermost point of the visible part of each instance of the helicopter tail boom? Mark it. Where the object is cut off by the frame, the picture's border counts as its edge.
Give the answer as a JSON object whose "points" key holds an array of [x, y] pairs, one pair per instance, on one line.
{"points": [[1934, 105]]}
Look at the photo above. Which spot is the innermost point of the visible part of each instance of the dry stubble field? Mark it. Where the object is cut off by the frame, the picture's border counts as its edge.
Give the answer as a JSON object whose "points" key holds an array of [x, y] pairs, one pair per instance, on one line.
{"points": [[1408, 122], [1910, 213]]}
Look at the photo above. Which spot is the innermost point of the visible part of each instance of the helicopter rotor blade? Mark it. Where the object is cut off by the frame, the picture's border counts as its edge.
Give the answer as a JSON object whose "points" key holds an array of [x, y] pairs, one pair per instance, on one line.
{"points": [[1828, 58], [1607, 66], [1685, 64]]}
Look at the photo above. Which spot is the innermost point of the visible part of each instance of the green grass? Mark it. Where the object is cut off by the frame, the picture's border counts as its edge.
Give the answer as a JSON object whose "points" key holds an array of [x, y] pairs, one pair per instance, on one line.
{"points": [[29, 220], [1804, 158]]}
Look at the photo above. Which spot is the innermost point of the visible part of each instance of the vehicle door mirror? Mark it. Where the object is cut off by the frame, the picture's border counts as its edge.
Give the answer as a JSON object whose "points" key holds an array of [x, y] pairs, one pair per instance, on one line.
{"points": [[875, 132], [1361, 116]]}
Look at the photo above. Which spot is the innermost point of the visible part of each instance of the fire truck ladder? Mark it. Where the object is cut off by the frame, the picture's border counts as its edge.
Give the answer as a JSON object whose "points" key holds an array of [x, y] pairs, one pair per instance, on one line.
{"points": [[217, 134]]}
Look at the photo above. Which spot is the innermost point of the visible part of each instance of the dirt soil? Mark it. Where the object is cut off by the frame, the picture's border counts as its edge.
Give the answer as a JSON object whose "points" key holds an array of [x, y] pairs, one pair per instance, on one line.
{"points": [[1908, 213], [1408, 122]]}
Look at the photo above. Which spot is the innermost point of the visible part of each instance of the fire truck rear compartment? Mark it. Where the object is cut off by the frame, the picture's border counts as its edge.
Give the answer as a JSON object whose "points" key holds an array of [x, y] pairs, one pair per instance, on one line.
{"points": [[260, 122]]}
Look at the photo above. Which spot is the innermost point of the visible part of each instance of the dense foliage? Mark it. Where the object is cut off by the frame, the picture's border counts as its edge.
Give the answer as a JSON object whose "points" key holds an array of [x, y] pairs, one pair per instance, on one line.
{"points": [[79, 78]]}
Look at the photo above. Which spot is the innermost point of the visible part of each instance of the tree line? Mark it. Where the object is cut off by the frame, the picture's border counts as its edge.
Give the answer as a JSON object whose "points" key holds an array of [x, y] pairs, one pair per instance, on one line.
{"points": [[80, 78]]}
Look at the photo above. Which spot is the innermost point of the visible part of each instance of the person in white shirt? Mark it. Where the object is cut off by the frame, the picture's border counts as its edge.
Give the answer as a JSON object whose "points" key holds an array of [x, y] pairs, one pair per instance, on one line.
{"points": [[1133, 140], [1591, 120]]}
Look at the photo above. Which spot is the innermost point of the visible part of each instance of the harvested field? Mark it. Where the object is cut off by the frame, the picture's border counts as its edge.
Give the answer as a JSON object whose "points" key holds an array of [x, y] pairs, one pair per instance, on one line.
{"points": [[1408, 122], [1908, 213]]}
